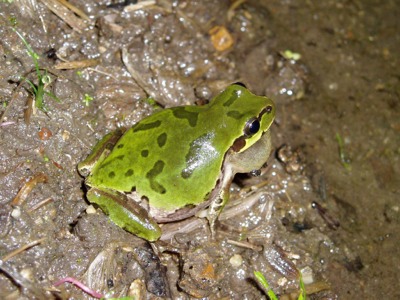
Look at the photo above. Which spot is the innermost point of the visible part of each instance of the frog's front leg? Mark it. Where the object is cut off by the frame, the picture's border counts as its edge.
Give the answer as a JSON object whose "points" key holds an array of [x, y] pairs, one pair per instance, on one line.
{"points": [[125, 213], [214, 211]]}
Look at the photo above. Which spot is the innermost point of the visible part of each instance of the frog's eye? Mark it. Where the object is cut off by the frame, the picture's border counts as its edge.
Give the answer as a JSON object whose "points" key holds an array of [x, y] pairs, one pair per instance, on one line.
{"points": [[252, 127]]}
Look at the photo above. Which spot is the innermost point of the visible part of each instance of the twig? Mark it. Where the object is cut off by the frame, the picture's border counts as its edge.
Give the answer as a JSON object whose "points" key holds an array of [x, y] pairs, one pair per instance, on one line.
{"points": [[245, 245], [66, 15], [40, 204], [27, 188], [21, 249], [7, 123]]}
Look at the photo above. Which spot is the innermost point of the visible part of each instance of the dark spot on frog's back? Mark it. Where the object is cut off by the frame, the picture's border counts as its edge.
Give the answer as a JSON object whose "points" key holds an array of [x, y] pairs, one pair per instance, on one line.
{"points": [[182, 113], [111, 174], [129, 173], [231, 99], [120, 146], [144, 153], [146, 126], [234, 114], [162, 139], [153, 173]]}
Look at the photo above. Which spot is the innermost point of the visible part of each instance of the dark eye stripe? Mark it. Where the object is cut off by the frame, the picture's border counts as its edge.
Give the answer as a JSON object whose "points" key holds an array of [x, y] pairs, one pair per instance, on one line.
{"points": [[266, 110]]}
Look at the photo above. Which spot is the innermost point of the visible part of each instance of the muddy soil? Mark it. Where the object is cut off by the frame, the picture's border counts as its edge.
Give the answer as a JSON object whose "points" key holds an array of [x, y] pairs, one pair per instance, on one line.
{"points": [[325, 206]]}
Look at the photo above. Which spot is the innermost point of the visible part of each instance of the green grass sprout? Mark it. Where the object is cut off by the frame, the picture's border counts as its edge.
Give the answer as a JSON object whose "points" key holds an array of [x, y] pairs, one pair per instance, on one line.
{"points": [[344, 159], [288, 54], [43, 78], [87, 99], [13, 20], [264, 283], [302, 295], [153, 103]]}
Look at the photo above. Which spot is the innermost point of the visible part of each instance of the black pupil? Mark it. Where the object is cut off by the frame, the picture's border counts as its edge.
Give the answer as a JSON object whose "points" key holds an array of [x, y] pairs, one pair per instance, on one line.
{"points": [[254, 127]]}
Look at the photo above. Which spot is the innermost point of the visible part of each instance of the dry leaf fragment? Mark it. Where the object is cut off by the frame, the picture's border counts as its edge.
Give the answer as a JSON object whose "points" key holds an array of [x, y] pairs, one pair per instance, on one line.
{"points": [[220, 38]]}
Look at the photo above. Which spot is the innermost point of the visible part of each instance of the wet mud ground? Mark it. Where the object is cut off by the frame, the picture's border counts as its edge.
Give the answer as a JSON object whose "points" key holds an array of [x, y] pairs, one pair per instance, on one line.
{"points": [[325, 206]]}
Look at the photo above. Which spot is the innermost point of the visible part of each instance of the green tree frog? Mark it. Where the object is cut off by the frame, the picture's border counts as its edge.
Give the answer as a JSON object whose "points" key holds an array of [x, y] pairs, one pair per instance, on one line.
{"points": [[179, 161]]}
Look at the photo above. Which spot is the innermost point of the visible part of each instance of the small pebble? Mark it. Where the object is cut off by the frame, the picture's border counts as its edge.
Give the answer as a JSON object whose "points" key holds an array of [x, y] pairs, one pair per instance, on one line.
{"points": [[307, 274], [236, 260], [16, 212], [90, 210]]}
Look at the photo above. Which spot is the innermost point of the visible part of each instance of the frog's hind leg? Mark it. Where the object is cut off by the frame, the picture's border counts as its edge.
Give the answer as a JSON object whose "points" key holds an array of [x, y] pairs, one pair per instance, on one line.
{"points": [[125, 213]]}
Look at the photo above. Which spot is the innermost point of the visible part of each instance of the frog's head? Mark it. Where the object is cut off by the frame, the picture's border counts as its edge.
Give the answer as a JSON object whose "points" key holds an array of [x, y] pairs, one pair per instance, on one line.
{"points": [[253, 115]]}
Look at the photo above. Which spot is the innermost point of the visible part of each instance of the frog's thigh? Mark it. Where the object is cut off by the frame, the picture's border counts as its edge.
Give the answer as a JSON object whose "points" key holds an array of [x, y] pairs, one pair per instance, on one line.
{"points": [[125, 213]]}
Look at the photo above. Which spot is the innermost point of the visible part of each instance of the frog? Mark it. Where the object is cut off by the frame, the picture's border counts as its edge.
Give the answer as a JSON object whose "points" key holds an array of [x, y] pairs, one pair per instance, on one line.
{"points": [[179, 161]]}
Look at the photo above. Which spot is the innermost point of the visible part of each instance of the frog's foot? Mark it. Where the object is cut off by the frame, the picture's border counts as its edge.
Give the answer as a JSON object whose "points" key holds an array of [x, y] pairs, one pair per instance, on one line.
{"points": [[212, 215], [215, 209]]}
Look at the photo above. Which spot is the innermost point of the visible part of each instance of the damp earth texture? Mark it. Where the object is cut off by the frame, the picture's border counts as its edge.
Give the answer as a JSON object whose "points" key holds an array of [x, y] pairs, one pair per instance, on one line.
{"points": [[140, 95]]}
